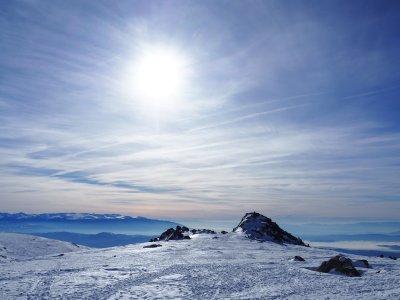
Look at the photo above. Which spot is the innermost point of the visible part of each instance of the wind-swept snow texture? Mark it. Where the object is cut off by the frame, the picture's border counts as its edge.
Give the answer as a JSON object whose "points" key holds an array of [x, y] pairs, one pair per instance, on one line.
{"points": [[23, 246], [230, 266]]}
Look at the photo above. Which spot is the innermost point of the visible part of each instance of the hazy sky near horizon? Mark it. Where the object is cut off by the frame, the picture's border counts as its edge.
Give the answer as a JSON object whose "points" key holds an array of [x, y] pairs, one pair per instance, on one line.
{"points": [[201, 109]]}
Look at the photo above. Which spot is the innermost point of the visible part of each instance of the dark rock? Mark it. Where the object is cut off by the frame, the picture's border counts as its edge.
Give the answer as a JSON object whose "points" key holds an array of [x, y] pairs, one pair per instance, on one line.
{"points": [[362, 263], [173, 234], [215, 238], [180, 233], [224, 232], [206, 231], [152, 246], [298, 258], [391, 257], [341, 265], [261, 228]]}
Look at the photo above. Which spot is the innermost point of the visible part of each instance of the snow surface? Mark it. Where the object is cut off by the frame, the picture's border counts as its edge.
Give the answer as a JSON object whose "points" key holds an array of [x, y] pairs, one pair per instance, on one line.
{"points": [[228, 267], [15, 246]]}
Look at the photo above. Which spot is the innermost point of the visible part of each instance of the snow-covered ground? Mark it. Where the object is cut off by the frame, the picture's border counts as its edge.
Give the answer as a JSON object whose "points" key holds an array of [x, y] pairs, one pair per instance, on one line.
{"points": [[15, 246], [227, 267]]}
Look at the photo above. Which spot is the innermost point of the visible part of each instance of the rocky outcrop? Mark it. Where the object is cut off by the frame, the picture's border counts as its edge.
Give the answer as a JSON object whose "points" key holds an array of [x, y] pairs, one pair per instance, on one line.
{"points": [[339, 265], [362, 263], [199, 231], [259, 227], [180, 233]]}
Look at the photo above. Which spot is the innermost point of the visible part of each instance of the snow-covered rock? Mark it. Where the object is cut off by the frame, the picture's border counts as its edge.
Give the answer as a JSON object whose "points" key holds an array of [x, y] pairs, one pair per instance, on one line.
{"points": [[201, 231], [23, 246], [259, 227], [339, 265], [362, 263], [180, 233]]}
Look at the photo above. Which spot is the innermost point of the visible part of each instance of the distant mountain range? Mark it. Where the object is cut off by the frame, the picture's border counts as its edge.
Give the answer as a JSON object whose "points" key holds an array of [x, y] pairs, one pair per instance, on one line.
{"points": [[87, 223], [65, 217], [108, 230]]}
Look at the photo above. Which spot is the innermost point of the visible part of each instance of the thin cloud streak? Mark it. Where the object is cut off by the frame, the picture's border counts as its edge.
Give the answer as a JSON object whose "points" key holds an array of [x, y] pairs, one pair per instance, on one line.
{"points": [[250, 116], [373, 92], [251, 134]]}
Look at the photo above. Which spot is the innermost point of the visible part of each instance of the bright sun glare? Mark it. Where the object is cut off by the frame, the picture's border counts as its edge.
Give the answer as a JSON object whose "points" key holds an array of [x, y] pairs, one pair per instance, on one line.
{"points": [[158, 77]]}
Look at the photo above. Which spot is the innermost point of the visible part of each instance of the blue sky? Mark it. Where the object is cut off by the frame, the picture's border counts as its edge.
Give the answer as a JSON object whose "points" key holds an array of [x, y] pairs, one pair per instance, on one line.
{"points": [[289, 108]]}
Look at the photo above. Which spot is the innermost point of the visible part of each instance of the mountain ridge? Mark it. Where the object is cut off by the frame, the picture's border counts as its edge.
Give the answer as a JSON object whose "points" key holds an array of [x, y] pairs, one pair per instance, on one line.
{"points": [[259, 227], [69, 217], [88, 223]]}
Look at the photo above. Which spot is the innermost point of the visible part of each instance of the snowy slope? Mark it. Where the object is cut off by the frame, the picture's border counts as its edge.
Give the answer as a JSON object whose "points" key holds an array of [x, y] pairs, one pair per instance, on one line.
{"points": [[99, 240], [206, 267], [23, 246]]}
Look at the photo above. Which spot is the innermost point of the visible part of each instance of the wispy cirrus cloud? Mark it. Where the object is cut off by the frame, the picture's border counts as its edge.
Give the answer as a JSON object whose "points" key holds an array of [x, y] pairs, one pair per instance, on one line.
{"points": [[267, 123]]}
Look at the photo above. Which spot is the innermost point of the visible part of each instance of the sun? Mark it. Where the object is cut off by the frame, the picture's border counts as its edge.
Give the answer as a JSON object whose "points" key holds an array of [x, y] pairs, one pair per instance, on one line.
{"points": [[158, 77]]}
